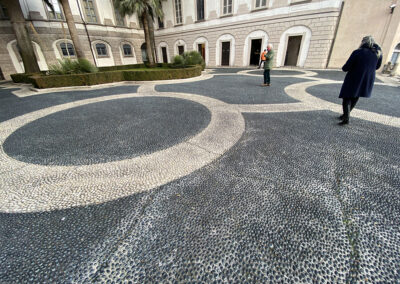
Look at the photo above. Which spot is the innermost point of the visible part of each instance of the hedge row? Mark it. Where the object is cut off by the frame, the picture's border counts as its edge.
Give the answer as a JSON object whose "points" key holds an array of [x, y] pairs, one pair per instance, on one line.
{"points": [[89, 79], [131, 66], [24, 78]]}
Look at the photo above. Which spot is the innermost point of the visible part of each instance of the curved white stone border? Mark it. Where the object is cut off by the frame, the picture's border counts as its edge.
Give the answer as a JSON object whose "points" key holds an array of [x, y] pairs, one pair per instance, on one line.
{"points": [[306, 73], [298, 92], [26, 90], [28, 188]]}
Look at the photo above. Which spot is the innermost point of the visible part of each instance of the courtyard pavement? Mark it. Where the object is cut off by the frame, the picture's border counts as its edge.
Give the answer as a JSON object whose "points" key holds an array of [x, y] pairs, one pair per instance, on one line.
{"points": [[213, 179]]}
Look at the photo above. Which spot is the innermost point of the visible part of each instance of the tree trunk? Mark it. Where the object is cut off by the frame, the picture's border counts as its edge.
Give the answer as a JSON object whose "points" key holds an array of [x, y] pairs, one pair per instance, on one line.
{"points": [[152, 39], [24, 42], [147, 39], [72, 30]]}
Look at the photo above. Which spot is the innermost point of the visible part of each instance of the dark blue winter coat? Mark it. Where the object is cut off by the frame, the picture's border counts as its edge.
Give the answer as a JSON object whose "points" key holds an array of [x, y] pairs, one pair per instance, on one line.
{"points": [[360, 68]]}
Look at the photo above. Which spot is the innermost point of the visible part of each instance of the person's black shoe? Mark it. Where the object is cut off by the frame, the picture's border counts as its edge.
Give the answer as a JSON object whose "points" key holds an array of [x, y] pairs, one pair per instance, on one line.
{"points": [[341, 117], [344, 122]]}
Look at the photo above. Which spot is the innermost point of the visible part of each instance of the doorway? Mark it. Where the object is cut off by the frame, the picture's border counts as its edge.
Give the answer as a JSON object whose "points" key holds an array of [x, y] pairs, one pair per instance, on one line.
{"points": [[143, 48], [226, 51], [255, 52], [181, 49], [201, 47], [293, 50], [164, 54]]}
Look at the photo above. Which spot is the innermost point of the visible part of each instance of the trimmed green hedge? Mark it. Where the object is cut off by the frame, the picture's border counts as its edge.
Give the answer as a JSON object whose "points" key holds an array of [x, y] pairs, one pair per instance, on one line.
{"points": [[88, 79], [23, 77]]}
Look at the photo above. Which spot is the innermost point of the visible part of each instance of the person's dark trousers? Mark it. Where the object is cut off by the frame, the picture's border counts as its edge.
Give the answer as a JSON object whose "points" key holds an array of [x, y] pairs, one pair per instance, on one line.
{"points": [[348, 105], [261, 62], [267, 77]]}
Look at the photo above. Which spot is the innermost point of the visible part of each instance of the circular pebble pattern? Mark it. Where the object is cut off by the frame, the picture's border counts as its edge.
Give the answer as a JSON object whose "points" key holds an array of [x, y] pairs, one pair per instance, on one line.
{"points": [[292, 199], [107, 131]]}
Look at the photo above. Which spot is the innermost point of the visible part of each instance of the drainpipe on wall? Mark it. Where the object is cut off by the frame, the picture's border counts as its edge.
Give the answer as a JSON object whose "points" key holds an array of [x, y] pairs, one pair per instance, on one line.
{"points": [[334, 37], [87, 33]]}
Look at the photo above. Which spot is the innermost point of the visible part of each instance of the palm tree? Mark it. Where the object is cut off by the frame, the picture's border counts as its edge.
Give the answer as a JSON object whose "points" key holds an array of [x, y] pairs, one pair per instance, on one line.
{"points": [[145, 9], [24, 42], [80, 54]]}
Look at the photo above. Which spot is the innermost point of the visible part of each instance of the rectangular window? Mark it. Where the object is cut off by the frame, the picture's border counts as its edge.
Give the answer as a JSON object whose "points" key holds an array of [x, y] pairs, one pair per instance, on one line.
{"points": [[67, 49], [261, 4], [90, 12], [227, 7], [178, 12], [200, 10], [119, 20], [160, 23], [57, 14], [101, 49], [4, 13]]}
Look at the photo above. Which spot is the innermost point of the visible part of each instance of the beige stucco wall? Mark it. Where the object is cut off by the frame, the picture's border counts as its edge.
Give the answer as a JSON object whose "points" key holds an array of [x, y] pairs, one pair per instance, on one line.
{"points": [[360, 18]]}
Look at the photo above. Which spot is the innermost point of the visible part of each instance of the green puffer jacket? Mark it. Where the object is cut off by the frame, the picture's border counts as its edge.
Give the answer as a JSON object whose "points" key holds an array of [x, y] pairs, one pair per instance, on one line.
{"points": [[270, 60]]}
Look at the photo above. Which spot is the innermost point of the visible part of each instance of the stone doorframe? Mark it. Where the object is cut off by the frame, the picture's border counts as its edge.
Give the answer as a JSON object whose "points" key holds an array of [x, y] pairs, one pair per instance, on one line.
{"points": [[258, 34], [303, 31], [218, 54]]}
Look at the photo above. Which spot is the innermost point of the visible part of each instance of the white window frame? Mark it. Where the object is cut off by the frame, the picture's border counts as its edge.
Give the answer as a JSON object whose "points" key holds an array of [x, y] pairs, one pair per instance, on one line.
{"points": [[223, 8], [56, 5], [261, 6], [175, 11]]}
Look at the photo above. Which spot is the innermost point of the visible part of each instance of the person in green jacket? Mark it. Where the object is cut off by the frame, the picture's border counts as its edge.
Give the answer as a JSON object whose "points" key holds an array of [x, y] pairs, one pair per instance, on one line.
{"points": [[268, 65]]}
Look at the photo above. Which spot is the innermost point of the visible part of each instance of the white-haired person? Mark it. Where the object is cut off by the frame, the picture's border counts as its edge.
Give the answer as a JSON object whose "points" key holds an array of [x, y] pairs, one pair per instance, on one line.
{"points": [[360, 77], [268, 65]]}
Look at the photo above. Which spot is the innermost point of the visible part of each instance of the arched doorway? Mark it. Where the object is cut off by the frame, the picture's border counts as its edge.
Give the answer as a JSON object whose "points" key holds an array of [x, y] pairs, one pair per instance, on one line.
{"points": [[143, 48]]}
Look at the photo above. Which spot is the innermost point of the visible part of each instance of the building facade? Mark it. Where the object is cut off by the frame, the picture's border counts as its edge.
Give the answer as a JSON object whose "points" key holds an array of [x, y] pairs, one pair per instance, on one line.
{"points": [[234, 32], [304, 33], [107, 38]]}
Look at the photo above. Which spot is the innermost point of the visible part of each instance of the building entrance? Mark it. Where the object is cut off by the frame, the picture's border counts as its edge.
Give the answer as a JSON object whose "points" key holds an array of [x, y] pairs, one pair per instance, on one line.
{"points": [[164, 54], [226, 51], [201, 47], [255, 52], [143, 48], [293, 50]]}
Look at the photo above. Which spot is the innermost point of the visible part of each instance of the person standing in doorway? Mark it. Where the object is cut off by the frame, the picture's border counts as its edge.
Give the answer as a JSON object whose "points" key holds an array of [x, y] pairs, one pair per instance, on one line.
{"points": [[360, 77], [262, 58], [268, 65]]}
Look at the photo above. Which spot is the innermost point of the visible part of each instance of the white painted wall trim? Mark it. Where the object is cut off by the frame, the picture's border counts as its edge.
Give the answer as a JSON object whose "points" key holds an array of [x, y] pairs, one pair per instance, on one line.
{"points": [[305, 45], [218, 53], [57, 50], [18, 65], [127, 59], [200, 40], [259, 34], [103, 61]]}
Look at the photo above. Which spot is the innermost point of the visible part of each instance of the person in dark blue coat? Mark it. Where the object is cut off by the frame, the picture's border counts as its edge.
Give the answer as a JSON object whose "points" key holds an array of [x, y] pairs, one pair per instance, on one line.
{"points": [[360, 77]]}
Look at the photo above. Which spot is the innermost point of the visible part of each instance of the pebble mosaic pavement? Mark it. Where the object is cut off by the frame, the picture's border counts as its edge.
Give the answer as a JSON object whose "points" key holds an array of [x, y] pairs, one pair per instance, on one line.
{"points": [[208, 180]]}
